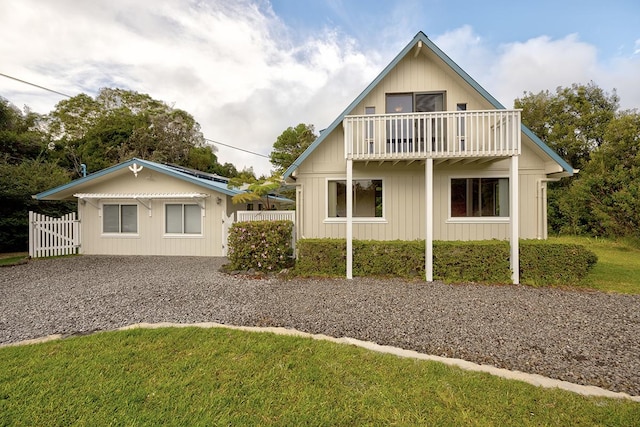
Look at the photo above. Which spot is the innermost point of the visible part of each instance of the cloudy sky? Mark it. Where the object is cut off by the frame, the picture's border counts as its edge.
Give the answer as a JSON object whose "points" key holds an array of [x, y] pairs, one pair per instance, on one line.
{"points": [[248, 69]]}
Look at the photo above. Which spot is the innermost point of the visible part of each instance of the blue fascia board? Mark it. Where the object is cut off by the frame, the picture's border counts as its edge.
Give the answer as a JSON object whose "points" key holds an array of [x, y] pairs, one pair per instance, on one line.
{"points": [[146, 163], [455, 67]]}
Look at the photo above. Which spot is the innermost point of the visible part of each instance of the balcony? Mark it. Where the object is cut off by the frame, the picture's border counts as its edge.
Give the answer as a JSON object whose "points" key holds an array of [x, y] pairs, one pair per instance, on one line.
{"points": [[438, 135]]}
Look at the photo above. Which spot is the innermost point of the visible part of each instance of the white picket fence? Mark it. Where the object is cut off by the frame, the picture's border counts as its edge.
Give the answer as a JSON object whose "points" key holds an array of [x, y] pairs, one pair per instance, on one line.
{"points": [[50, 236], [266, 216]]}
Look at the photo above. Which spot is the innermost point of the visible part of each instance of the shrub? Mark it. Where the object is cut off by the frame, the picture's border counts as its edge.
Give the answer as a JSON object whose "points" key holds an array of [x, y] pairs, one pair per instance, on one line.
{"points": [[541, 263], [260, 245], [544, 263]]}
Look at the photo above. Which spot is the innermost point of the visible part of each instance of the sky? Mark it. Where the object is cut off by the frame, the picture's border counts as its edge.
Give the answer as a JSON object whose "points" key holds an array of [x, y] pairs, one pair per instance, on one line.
{"points": [[248, 69]]}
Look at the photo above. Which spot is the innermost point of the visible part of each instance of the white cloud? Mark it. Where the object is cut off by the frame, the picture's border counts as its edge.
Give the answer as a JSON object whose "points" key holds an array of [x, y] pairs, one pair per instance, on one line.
{"points": [[538, 64], [230, 64], [243, 74]]}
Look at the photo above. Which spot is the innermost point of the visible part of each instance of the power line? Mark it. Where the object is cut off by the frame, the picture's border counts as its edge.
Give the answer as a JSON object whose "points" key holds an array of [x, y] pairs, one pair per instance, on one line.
{"points": [[236, 148], [69, 96], [35, 85]]}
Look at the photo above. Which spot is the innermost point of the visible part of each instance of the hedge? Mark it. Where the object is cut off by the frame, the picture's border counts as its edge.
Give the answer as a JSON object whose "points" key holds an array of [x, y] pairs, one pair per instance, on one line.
{"points": [[260, 245], [541, 263]]}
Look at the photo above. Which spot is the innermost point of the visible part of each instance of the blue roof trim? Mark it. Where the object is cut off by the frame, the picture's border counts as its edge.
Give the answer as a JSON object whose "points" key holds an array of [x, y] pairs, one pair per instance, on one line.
{"points": [[146, 163], [455, 67]]}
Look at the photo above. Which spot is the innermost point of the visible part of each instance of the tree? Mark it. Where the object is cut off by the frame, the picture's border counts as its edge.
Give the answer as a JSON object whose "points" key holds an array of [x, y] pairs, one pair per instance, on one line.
{"points": [[605, 201], [573, 121], [290, 145], [256, 189], [120, 124], [18, 181], [19, 136]]}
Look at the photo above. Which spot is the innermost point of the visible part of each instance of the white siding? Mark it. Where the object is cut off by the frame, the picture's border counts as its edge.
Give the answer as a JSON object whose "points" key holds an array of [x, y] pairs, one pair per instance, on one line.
{"points": [[150, 239], [403, 184]]}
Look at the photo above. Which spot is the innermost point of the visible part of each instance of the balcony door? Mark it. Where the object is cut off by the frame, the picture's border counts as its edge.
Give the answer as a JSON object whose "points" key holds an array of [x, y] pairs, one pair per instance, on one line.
{"points": [[404, 133]]}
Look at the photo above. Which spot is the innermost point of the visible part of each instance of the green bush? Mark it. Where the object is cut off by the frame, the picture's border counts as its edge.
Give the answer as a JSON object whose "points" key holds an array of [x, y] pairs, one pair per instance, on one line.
{"points": [[541, 263], [260, 245]]}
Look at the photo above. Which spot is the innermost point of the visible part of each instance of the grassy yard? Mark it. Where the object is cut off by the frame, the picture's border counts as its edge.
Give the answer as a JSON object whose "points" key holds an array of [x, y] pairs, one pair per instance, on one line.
{"points": [[207, 377], [13, 258], [618, 267]]}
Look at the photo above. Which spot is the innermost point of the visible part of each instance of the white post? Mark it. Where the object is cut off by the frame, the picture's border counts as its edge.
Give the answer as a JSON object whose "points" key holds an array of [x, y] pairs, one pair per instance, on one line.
{"points": [[349, 219], [32, 240], [514, 211], [428, 208]]}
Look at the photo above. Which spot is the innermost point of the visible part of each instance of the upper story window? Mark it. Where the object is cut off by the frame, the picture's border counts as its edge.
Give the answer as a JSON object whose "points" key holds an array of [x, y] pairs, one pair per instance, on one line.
{"points": [[119, 218], [479, 197], [397, 103], [367, 198]]}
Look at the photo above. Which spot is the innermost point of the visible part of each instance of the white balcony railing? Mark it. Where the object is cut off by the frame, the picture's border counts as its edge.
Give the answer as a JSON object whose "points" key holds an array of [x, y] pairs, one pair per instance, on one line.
{"points": [[494, 133]]}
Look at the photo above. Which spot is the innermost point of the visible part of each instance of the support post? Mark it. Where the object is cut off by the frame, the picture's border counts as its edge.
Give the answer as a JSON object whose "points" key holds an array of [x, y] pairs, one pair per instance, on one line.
{"points": [[514, 211], [428, 208], [349, 219]]}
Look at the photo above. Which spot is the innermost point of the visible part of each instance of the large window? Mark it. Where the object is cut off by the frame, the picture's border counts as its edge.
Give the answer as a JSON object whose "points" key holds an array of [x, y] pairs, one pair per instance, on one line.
{"points": [[118, 218], [479, 197], [367, 198], [183, 219]]}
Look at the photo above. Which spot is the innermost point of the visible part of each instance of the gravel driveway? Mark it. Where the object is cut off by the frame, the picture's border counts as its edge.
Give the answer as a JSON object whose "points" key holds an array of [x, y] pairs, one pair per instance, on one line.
{"points": [[583, 337]]}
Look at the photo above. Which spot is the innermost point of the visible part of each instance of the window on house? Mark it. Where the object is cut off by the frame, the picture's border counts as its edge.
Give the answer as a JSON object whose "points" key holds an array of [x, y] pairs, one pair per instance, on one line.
{"points": [[183, 219], [479, 197], [367, 198], [249, 206], [117, 218]]}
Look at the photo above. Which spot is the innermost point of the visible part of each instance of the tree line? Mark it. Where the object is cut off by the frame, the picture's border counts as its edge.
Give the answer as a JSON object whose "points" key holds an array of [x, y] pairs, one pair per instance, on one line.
{"points": [[582, 123]]}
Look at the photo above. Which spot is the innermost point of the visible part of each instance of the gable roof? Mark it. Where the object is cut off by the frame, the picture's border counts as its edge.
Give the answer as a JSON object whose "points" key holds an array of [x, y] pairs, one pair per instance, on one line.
{"points": [[204, 180], [421, 37]]}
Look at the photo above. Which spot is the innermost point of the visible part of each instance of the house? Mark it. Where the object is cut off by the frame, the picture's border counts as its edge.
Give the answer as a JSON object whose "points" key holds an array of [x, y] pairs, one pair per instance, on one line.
{"points": [[140, 207], [429, 154]]}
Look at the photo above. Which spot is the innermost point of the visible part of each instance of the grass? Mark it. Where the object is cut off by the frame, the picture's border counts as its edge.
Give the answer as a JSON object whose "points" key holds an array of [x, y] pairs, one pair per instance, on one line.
{"points": [[192, 376], [13, 258], [618, 266]]}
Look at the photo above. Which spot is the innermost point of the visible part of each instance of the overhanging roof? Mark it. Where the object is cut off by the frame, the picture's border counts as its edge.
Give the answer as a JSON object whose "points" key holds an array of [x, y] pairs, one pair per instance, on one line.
{"points": [[421, 37], [57, 192]]}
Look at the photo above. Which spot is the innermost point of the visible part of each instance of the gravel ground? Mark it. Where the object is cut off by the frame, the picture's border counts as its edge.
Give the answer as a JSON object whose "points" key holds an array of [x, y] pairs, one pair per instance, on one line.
{"points": [[583, 337]]}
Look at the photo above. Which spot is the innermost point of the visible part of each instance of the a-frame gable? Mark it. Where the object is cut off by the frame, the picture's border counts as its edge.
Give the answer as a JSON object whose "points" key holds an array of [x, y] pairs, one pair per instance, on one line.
{"points": [[424, 41]]}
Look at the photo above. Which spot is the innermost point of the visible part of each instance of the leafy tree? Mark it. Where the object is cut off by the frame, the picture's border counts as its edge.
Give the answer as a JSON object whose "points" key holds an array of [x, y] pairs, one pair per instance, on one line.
{"points": [[256, 189], [606, 199], [18, 181], [290, 145], [572, 121], [19, 135], [120, 124]]}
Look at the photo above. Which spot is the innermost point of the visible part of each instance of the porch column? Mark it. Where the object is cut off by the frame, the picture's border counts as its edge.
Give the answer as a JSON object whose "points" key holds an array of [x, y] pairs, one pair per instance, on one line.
{"points": [[349, 190], [514, 211], [428, 209]]}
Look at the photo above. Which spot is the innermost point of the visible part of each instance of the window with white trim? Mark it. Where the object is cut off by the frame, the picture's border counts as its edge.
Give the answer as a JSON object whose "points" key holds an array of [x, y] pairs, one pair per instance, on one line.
{"points": [[367, 198], [119, 218], [182, 218], [479, 197]]}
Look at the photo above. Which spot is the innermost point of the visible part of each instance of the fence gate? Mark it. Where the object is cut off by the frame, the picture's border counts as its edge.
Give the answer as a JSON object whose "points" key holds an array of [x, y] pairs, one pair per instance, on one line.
{"points": [[50, 236]]}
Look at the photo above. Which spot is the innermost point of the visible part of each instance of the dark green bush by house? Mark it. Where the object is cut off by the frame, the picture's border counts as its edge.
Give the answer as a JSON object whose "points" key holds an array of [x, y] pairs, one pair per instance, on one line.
{"points": [[260, 245], [541, 263]]}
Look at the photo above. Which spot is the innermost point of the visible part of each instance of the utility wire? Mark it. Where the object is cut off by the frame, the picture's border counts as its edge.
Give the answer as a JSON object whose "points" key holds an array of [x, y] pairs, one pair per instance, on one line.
{"points": [[236, 148], [69, 96], [35, 85]]}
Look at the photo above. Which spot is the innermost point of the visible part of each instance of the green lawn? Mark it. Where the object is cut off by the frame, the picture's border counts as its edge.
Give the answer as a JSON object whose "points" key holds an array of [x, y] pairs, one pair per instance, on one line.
{"points": [[13, 258], [618, 267], [206, 377]]}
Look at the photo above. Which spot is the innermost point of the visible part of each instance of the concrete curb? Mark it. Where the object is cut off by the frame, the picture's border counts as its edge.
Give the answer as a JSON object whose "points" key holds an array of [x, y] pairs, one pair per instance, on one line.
{"points": [[533, 379]]}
